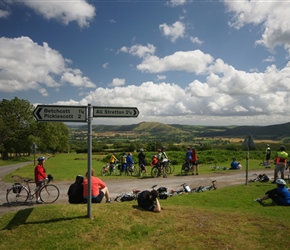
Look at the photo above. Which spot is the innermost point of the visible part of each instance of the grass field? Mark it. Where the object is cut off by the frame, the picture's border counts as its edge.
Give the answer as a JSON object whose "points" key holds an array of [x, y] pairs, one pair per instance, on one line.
{"points": [[226, 218], [67, 166]]}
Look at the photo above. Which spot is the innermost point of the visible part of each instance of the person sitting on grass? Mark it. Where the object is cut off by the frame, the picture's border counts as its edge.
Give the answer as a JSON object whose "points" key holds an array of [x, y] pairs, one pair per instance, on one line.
{"points": [[75, 191], [235, 165], [149, 201], [279, 195], [99, 189]]}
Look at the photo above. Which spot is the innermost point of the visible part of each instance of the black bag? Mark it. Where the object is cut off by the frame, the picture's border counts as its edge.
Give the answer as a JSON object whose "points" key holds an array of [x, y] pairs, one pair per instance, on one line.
{"points": [[263, 178], [17, 188], [163, 196], [127, 197], [162, 190]]}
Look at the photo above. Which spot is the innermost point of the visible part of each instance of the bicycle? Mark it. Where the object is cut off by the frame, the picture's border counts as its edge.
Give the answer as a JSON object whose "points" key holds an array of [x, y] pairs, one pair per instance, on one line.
{"points": [[158, 169], [186, 168], [106, 170], [18, 194], [204, 188]]}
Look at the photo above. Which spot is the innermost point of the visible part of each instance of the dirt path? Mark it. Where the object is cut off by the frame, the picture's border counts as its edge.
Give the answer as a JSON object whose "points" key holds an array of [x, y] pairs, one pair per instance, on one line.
{"points": [[117, 186]]}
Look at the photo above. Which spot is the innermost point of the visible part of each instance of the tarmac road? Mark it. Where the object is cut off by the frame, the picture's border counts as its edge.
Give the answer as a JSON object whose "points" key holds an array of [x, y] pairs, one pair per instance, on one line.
{"points": [[118, 186]]}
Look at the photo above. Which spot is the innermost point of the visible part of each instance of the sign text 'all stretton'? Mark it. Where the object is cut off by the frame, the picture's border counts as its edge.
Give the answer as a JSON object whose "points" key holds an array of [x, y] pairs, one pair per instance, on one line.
{"points": [[60, 113], [115, 112]]}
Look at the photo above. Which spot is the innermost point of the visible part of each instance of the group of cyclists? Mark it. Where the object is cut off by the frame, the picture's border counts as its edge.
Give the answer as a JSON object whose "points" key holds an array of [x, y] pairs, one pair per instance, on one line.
{"points": [[160, 159]]}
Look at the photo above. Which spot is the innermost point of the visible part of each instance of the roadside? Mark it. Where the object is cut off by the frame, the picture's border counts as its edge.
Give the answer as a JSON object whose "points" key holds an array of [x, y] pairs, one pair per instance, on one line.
{"points": [[118, 186]]}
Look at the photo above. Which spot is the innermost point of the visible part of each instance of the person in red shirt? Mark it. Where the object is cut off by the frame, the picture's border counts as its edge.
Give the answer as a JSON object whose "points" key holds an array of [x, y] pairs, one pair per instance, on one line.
{"points": [[194, 161], [99, 189], [39, 177]]}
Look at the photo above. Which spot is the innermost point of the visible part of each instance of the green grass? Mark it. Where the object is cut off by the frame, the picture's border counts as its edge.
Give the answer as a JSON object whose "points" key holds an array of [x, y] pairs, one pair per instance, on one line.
{"points": [[67, 166], [222, 219]]}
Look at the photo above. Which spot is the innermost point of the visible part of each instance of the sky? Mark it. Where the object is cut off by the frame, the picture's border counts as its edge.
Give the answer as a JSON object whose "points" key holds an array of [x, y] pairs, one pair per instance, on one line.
{"points": [[190, 62]]}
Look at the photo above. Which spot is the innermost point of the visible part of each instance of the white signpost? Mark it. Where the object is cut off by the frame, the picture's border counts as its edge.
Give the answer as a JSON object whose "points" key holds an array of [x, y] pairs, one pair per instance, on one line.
{"points": [[51, 113], [115, 112]]}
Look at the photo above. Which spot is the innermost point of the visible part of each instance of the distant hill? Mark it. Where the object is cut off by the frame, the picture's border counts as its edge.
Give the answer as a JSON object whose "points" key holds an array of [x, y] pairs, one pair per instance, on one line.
{"points": [[268, 132]]}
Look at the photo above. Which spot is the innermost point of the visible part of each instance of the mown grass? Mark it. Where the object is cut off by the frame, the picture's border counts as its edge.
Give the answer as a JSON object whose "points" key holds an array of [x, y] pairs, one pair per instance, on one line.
{"points": [[226, 218], [67, 166]]}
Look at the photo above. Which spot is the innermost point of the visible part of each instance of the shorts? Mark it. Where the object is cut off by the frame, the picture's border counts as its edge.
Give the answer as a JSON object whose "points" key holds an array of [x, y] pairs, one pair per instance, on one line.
{"points": [[39, 183], [96, 199], [279, 168]]}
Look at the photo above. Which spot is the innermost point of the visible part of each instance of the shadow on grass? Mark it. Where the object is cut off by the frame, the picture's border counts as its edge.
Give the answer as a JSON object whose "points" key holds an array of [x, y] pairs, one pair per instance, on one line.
{"points": [[22, 215]]}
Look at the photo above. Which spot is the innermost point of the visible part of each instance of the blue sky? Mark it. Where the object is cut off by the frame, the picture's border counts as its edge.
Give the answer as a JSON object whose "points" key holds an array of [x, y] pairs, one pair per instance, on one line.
{"points": [[186, 62]]}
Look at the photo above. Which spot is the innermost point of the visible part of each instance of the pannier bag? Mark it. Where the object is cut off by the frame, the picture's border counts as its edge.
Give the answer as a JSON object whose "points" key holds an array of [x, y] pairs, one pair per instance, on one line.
{"points": [[17, 188]]}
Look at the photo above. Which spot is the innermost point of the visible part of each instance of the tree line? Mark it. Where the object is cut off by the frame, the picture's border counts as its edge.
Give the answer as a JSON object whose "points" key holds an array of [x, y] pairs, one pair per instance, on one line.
{"points": [[19, 131]]}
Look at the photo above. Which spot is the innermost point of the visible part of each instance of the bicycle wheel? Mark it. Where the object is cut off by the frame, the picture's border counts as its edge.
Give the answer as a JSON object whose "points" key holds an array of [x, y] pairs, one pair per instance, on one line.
{"points": [[154, 172], [18, 198], [168, 170], [49, 193], [172, 168], [185, 169]]}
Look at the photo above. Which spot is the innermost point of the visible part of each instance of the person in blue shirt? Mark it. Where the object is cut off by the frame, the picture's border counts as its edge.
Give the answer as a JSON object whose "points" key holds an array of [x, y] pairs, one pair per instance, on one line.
{"points": [[234, 164], [279, 195]]}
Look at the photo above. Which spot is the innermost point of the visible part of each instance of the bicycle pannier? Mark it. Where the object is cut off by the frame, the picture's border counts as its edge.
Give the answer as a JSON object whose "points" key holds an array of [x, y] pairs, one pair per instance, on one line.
{"points": [[17, 188]]}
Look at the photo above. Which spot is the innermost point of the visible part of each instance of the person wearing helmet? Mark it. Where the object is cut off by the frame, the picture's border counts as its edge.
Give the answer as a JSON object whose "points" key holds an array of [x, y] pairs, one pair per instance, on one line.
{"points": [[161, 159], [142, 161], [279, 195], [281, 161], [124, 163], [268, 156], [39, 177], [113, 160]]}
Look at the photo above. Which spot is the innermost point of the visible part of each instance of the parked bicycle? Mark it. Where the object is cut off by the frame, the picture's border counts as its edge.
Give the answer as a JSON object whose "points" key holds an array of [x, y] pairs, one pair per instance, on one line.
{"points": [[186, 168], [157, 170], [205, 188], [106, 170], [18, 194]]}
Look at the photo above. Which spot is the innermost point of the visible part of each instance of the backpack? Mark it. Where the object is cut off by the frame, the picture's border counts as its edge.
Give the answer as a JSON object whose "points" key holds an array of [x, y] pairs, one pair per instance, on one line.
{"points": [[263, 178], [162, 190], [127, 197]]}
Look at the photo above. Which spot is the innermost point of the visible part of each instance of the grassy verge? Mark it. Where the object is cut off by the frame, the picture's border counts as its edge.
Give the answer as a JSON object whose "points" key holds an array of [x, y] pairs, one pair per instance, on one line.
{"points": [[222, 219]]}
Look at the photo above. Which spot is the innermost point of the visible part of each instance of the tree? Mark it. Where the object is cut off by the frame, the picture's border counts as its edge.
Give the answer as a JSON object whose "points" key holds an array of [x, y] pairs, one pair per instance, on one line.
{"points": [[16, 126]]}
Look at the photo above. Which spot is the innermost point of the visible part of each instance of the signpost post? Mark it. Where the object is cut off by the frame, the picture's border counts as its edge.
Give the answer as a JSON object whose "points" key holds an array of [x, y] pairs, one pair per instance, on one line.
{"points": [[53, 113]]}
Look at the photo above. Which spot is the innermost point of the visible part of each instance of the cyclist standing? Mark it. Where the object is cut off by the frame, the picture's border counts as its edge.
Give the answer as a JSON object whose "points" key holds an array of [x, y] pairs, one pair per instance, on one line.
{"points": [[194, 160], [113, 160], [39, 177], [124, 162], [281, 161], [142, 161], [161, 159]]}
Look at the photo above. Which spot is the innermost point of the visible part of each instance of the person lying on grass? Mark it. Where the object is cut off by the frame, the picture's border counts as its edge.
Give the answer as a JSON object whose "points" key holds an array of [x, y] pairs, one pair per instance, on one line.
{"points": [[149, 201], [279, 195]]}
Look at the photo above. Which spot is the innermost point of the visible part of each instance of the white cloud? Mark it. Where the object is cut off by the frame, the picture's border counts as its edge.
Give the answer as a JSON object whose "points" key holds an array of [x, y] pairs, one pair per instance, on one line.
{"points": [[4, 13], [174, 3], [79, 11], [273, 16], [191, 61], [196, 40], [117, 82], [175, 31], [105, 65], [140, 51], [228, 96], [25, 65]]}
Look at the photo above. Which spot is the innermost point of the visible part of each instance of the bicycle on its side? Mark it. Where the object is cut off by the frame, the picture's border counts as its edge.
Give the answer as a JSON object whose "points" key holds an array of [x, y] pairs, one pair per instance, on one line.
{"points": [[205, 188], [18, 194]]}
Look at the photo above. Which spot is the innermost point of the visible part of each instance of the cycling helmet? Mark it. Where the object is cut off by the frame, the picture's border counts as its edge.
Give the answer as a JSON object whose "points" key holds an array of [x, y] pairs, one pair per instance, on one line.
{"points": [[163, 147], [282, 148], [141, 149], [41, 158], [281, 182], [267, 145]]}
